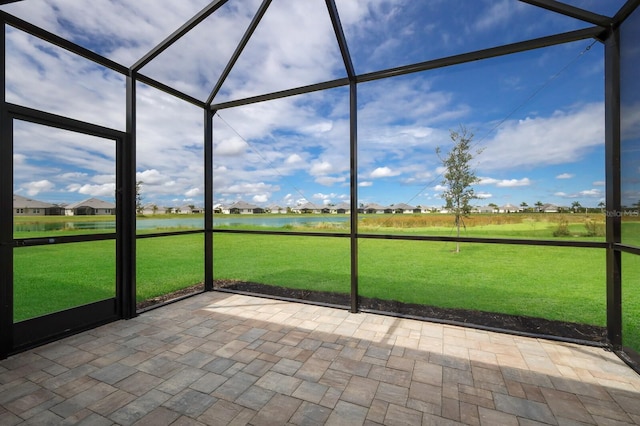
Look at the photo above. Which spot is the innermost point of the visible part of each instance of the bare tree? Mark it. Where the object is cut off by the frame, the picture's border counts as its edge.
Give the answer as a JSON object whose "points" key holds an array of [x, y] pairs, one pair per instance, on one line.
{"points": [[459, 177]]}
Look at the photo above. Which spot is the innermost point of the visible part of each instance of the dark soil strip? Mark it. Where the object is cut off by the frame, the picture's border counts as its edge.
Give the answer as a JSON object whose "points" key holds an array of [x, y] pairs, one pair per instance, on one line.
{"points": [[515, 323], [523, 324]]}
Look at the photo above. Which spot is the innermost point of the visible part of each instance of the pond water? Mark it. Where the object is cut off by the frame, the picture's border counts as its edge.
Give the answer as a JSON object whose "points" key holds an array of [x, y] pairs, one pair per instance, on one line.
{"points": [[180, 223]]}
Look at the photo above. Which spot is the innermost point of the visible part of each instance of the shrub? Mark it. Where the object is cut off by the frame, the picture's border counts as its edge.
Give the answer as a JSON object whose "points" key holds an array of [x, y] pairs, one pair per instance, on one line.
{"points": [[594, 229], [563, 228]]}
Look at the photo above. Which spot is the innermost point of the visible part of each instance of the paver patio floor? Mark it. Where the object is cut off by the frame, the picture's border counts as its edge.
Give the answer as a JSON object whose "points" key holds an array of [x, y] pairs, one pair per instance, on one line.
{"points": [[220, 358]]}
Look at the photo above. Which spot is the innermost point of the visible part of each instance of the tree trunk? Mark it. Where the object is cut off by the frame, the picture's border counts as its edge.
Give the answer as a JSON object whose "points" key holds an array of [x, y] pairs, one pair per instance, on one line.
{"points": [[458, 226]]}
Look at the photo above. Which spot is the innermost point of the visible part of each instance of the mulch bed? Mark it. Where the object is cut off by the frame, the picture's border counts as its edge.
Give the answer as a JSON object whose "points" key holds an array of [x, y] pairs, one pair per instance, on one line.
{"points": [[522, 324]]}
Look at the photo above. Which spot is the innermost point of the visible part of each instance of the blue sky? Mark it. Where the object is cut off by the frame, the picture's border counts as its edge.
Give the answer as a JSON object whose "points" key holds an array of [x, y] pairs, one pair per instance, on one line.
{"points": [[537, 116]]}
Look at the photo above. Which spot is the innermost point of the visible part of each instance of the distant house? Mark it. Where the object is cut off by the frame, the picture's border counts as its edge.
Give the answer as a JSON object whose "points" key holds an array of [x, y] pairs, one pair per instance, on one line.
{"points": [[90, 207], [307, 208], [23, 206], [374, 208], [342, 208], [242, 207], [405, 209], [549, 208], [153, 209], [509, 208], [189, 209], [484, 209], [274, 208]]}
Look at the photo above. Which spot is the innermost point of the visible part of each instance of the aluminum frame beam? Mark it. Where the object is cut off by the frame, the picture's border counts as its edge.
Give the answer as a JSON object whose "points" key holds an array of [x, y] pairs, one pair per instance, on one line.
{"points": [[353, 182], [168, 89], [613, 188], [62, 43], [208, 199], [241, 45], [627, 9], [6, 211], [342, 40], [177, 34], [493, 52], [571, 11], [283, 94]]}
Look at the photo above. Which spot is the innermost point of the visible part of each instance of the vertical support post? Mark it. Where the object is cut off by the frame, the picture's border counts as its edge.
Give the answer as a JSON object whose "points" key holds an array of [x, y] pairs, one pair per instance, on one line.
{"points": [[6, 211], [613, 188], [353, 124], [126, 220], [208, 199]]}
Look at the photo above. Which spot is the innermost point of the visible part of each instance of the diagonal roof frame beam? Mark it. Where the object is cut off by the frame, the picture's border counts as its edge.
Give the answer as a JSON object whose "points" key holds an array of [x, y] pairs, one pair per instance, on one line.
{"points": [[169, 90], [92, 56], [537, 43], [571, 11], [241, 45], [342, 40], [63, 43], [177, 34], [627, 9]]}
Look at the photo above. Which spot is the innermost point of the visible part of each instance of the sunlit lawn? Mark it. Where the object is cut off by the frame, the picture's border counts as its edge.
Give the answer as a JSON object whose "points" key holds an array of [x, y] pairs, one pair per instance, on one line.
{"points": [[561, 283]]}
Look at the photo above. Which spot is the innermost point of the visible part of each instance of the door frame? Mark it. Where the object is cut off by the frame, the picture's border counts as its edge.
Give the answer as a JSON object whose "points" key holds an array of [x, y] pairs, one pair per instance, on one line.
{"points": [[32, 332]]}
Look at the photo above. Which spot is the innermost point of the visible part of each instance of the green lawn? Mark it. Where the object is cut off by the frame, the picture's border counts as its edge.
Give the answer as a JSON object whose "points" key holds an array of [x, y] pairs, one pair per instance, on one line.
{"points": [[562, 283]]}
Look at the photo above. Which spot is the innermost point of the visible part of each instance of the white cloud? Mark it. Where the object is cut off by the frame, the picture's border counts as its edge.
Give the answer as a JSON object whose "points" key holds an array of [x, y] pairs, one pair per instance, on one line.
{"points": [[588, 193], [504, 183], [74, 176], [261, 198], [598, 183], [509, 183], [321, 196], [563, 137], [592, 193], [565, 176], [328, 198], [488, 181], [498, 14], [103, 179], [34, 188], [321, 168], [293, 159], [230, 147], [104, 190], [329, 181], [382, 172], [151, 177], [365, 184], [483, 195], [249, 188], [194, 192], [322, 127]]}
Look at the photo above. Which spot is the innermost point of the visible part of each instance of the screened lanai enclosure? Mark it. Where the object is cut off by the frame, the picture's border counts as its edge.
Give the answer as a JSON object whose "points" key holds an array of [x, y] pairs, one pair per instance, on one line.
{"points": [[294, 149]]}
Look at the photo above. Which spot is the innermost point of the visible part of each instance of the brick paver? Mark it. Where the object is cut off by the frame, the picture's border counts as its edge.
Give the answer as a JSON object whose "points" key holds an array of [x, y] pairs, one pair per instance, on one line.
{"points": [[220, 358]]}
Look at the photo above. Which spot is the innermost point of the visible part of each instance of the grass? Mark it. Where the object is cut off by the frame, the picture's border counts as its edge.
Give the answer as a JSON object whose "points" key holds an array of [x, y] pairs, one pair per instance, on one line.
{"points": [[52, 278], [566, 284], [562, 283]]}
